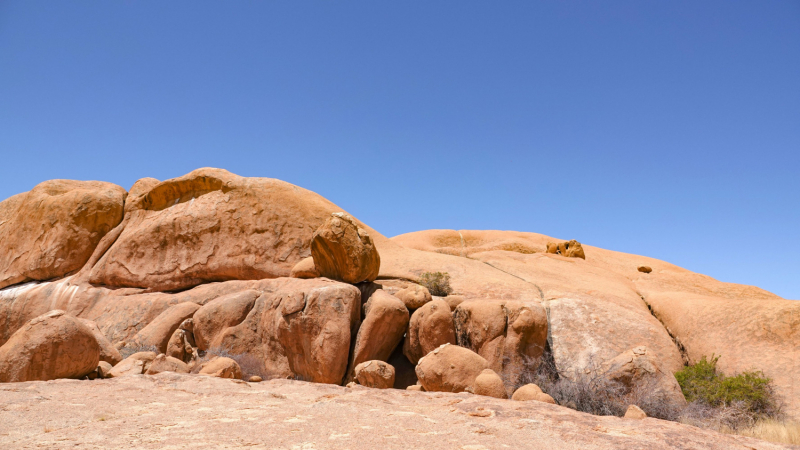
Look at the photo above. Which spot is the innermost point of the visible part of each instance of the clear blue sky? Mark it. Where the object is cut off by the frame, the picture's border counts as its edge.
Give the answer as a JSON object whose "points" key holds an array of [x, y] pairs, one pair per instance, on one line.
{"points": [[667, 129]]}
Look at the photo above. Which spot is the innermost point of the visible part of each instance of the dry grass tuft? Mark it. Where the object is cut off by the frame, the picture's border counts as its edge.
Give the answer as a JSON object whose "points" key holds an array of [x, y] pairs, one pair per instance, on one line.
{"points": [[782, 432]]}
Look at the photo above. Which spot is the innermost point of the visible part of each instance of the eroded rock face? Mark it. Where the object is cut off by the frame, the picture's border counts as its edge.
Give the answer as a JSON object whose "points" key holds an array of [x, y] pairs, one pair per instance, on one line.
{"points": [[510, 335], [211, 225], [53, 345], [344, 251], [375, 374], [305, 269], [108, 352], [385, 322], [53, 229], [158, 332], [219, 314], [639, 368], [430, 327], [450, 368]]}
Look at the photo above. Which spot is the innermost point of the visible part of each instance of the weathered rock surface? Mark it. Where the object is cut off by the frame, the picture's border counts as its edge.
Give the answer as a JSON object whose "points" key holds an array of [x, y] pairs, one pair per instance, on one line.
{"points": [[222, 367], [164, 363], [639, 368], [219, 314], [490, 384], [53, 345], [344, 251], [510, 335], [206, 412], [375, 374], [181, 344], [158, 332], [136, 364], [305, 269], [385, 321], [108, 352], [430, 327], [53, 229], [211, 225], [450, 368], [414, 296]]}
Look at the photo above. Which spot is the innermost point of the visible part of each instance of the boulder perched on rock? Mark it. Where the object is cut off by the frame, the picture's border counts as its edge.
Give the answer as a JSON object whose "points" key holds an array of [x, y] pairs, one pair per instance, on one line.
{"points": [[645, 269], [450, 368], [219, 314], [103, 368], [375, 374], [345, 252], [532, 392], [136, 364], [305, 269], [158, 332], [430, 327], [164, 363], [572, 249], [634, 412], [108, 352], [385, 322], [414, 296], [211, 225], [490, 384], [181, 345], [222, 367], [510, 335], [53, 345], [53, 229], [638, 368]]}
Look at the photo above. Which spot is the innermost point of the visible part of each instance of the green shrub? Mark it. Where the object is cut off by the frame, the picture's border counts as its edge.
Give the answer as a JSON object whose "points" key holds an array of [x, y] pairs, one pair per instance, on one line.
{"points": [[752, 391], [438, 283]]}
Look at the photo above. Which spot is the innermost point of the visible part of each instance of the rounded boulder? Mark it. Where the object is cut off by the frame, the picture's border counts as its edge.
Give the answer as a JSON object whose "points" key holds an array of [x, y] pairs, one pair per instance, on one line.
{"points": [[450, 368], [375, 374]]}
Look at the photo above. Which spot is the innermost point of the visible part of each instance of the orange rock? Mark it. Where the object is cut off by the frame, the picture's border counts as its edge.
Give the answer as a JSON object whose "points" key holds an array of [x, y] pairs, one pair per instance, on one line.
{"points": [[136, 364], [634, 412], [305, 269], [490, 384], [385, 322], [375, 374], [527, 392], [638, 367], [108, 352], [222, 367], [164, 363], [53, 229], [645, 269], [430, 327], [510, 335], [344, 251], [158, 332], [180, 345], [414, 296], [219, 314], [450, 368], [211, 225], [53, 345]]}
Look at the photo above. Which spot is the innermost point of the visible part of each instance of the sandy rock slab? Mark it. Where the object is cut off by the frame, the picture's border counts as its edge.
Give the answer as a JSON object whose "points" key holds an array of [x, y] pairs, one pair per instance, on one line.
{"points": [[183, 411]]}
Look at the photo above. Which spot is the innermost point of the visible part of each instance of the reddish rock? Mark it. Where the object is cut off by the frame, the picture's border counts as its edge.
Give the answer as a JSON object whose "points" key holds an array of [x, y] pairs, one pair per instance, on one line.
{"points": [[344, 251], [430, 327], [53, 345], [375, 374], [53, 229], [164, 363], [305, 269], [108, 352], [450, 368], [219, 314], [222, 367], [136, 364], [385, 322], [490, 384], [158, 332], [414, 296]]}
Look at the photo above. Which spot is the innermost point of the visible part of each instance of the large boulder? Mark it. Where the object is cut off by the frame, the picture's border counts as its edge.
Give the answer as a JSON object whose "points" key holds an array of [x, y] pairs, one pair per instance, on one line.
{"points": [[450, 368], [219, 314], [639, 369], [375, 374], [344, 251], [430, 327], [510, 335], [53, 345], [158, 332], [53, 229], [385, 322], [211, 225]]}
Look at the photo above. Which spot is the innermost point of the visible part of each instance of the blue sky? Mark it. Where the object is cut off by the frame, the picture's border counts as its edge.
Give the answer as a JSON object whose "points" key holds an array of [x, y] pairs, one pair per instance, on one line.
{"points": [[667, 129]]}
